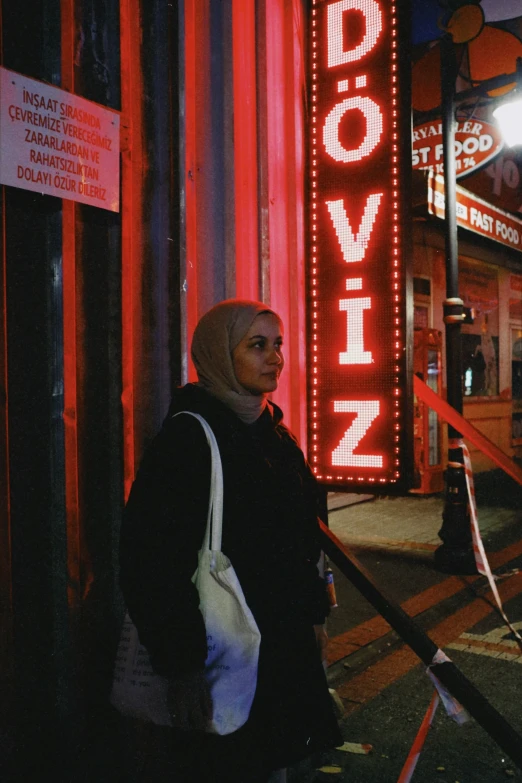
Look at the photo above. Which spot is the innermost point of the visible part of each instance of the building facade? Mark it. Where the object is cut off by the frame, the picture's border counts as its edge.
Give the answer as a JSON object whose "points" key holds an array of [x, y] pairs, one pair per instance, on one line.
{"points": [[98, 306]]}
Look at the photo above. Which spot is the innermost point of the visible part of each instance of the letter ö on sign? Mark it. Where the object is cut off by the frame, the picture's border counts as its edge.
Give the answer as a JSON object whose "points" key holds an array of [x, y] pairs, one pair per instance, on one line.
{"points": [[374, 127], [337, 55]]}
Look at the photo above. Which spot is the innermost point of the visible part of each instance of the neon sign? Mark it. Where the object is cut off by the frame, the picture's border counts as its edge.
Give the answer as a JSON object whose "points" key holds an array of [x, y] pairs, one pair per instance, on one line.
{"points": [[357, 279]]}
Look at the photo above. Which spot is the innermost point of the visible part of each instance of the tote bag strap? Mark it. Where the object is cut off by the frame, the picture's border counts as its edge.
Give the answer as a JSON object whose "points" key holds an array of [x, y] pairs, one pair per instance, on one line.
{"points": [[214, 528]]}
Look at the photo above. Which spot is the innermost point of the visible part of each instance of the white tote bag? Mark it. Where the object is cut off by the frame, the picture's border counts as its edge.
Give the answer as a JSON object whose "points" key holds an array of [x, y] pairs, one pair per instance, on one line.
{"points": [[233, 637]]}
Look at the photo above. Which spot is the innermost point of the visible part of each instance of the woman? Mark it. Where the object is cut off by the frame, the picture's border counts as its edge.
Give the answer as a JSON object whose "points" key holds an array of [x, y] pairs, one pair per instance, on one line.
{"points": [[271, 535]]}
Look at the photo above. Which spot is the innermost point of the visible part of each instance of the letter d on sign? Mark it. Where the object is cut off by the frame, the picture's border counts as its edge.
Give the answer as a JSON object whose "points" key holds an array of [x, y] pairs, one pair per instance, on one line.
{"points": [[337, 55]]}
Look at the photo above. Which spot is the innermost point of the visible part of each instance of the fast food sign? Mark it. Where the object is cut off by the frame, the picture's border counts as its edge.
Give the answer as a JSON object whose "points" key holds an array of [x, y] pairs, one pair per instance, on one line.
{"points": [[477, 143], [475, 214], [357, 271]]}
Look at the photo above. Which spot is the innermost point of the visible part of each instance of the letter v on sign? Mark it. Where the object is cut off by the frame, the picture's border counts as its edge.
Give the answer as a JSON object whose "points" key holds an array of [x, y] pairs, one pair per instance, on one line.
{"points": [[353, 247]]}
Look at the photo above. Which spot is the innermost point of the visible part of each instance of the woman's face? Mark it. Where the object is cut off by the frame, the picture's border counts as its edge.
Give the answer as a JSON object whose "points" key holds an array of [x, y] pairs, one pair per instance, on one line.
{"points": [[258, 359]]}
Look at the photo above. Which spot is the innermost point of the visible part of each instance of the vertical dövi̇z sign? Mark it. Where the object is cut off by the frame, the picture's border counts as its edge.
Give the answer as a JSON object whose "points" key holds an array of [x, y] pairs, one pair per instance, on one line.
{"points": [[357, 278]]}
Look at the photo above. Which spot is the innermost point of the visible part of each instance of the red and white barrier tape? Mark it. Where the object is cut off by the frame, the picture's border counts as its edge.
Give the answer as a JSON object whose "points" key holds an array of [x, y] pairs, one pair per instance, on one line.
{"points": [[418, 743], [454, 709], [481, 559], [459, 423]]}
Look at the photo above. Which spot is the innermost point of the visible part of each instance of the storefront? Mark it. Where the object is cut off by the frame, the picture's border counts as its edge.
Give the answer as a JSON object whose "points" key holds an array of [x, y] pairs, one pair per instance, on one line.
{"points": [[487, 42], [490, 271]]}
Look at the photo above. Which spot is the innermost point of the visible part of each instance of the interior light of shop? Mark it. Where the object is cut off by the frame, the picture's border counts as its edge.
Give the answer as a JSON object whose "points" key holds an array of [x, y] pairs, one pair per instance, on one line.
{"points": [[509, 119]]}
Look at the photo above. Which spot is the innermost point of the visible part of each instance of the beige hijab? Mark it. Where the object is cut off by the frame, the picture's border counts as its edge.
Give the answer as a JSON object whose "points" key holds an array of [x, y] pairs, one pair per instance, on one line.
{"points": [[217, 334]]}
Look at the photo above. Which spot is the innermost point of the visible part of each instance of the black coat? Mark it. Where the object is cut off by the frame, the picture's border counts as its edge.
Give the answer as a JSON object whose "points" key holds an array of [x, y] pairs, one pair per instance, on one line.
{"points": [[270, 534]]}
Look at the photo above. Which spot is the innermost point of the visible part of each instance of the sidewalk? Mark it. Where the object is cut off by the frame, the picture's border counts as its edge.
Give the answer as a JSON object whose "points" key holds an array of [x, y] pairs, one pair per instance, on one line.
{"points": [[395, 538], [413, 522], [381, 684]]}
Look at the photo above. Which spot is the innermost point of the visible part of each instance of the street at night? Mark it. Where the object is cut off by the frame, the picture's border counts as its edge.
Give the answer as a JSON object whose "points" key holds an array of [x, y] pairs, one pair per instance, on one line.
{"points": [[298, 223], [383, 687]]}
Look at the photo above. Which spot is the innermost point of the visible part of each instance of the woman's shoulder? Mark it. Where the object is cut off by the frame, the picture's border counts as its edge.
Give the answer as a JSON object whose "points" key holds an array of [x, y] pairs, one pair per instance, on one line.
{"points": [[288, 437], [190, 403], [289, 440], [284, 433], [183, 428], [189, 397], [180, 434]]}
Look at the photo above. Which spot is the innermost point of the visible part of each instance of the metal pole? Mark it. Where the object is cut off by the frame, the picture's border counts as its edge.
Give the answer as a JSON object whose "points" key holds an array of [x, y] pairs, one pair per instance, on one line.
{"points": [[455, 555]]}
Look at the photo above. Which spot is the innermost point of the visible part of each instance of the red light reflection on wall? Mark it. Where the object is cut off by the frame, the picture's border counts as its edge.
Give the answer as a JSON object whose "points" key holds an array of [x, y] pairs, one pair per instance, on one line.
{"points": [[356, 278]]}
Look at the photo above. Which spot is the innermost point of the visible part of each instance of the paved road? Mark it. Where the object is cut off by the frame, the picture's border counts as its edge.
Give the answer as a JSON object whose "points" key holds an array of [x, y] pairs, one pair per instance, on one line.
{"points": [[382, 685]]}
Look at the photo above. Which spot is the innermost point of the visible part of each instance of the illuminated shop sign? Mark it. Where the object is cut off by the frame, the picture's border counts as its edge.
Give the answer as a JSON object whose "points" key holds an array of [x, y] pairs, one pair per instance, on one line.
{"points": [[477, 143], [356, 282], [475, 214]]}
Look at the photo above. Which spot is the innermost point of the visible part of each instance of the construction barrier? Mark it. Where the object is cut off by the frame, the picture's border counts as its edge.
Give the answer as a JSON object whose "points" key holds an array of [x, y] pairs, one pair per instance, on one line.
{"points": [[457, 693], [425, 648], [459, 423]]}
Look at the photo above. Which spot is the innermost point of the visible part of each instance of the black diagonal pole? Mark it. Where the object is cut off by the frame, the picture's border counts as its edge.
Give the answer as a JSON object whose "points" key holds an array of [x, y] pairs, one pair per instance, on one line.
{"points": [[455, 555]]}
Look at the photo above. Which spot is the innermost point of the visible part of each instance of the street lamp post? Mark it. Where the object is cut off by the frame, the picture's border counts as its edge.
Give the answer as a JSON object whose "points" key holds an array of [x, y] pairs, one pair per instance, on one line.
{"points": [[456, 552]]}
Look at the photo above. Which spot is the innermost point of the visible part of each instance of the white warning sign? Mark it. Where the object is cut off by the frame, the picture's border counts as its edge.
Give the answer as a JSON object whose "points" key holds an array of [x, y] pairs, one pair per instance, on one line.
{"points": [[57, 143]]}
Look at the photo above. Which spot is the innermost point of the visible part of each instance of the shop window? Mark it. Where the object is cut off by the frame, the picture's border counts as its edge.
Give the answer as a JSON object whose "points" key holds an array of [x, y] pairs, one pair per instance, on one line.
{"points": [[422, 286], [516, 382], [480, 344], [480, 363]]}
